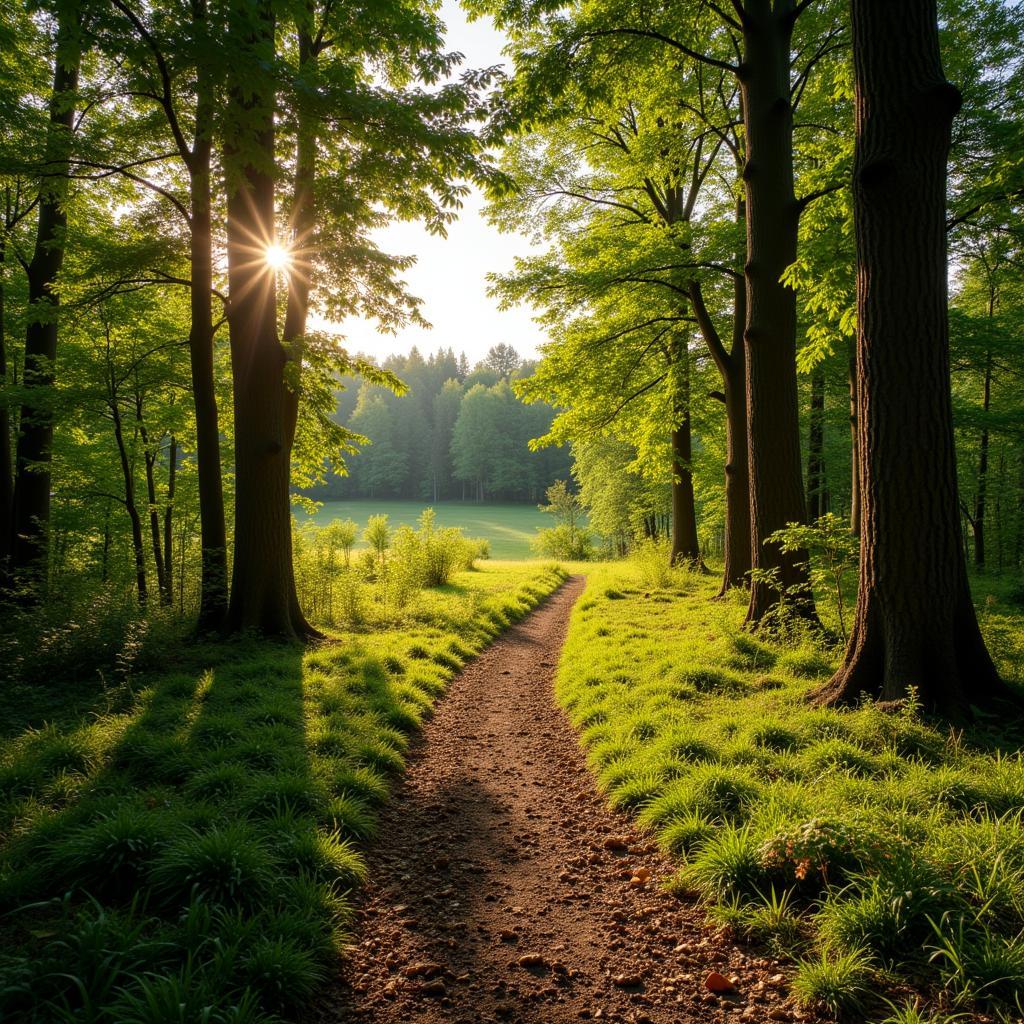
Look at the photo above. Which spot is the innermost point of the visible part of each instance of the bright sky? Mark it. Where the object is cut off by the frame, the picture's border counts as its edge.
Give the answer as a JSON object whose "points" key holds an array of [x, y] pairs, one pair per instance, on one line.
{"points": [[450, 274]]}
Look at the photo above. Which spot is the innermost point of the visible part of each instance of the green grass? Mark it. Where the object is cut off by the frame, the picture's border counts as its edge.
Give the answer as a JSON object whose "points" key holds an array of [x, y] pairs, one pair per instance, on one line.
{"points": [[875, 849], [508, 528], [184, 852]]}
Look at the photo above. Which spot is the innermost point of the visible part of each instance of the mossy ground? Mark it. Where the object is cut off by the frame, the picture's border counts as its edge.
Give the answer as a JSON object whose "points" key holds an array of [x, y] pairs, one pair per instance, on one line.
{"points": [[180, 846], [882, 851]]}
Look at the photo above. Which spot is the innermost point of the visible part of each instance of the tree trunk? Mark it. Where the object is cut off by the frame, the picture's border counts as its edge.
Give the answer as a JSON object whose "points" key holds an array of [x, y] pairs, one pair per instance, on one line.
{"points": [[915, 622], [31, 500], [263, 584], [978, 521], [6, 467], [685, 547], [154, 515], [732, 367], [854, 459], [213, 599], [172, 478], [138, 545], [773, 214], [817, 494]]}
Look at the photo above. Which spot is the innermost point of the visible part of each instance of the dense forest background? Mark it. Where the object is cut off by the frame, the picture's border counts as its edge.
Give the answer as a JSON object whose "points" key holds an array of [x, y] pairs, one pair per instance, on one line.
{"points": [[457, 434]]}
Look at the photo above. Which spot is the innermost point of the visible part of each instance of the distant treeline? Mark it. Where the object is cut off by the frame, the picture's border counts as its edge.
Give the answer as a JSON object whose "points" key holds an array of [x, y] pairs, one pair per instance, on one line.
{"points": [[458, 433]]}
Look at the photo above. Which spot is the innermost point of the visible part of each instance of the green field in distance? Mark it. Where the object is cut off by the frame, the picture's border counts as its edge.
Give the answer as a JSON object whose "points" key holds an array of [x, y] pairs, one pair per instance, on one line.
{"points": [[509, 528]]}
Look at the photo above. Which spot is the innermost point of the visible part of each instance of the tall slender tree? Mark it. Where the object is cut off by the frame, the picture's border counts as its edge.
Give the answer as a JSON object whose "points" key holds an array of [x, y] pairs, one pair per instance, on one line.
{"points": [[31, 499]]}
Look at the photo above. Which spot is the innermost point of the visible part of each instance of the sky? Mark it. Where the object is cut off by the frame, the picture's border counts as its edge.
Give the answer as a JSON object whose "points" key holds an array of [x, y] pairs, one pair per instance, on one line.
{"points": [[450, 274]]}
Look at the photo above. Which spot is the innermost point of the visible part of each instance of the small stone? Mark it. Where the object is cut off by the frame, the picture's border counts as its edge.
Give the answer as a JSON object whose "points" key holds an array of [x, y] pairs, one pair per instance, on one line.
{"points": [[615, 843], [434, 988], [716, 982], [627, 980], [532, 960]]}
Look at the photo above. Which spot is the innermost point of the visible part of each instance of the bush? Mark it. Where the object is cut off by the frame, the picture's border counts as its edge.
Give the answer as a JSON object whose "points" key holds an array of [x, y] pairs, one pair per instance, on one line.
{"points": [[572, 543]]}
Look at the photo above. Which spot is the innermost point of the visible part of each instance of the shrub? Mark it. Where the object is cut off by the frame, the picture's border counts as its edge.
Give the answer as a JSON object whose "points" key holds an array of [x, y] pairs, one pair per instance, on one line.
{"points": [[571, 543]]}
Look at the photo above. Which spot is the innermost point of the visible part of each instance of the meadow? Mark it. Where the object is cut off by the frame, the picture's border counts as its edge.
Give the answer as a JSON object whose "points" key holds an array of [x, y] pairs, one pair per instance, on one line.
{"points": [[882, 851], [179, 844], [508, 528]]}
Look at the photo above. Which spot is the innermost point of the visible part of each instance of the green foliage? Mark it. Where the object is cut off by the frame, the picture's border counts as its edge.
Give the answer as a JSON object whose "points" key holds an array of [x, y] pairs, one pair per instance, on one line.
{"points": [[867, 844], [181, 849]]}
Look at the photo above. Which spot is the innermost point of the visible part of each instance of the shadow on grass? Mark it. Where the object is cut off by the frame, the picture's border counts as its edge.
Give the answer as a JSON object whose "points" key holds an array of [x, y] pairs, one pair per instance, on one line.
{"points": [[196, 850]]}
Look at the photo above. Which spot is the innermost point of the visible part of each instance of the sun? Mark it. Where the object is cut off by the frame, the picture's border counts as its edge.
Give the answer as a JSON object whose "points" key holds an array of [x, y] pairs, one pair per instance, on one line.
{"points": [[277, 257]]}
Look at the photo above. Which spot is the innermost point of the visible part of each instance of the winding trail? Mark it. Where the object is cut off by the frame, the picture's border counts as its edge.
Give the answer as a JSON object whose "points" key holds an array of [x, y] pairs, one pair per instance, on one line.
{"points": [[502, 888]]}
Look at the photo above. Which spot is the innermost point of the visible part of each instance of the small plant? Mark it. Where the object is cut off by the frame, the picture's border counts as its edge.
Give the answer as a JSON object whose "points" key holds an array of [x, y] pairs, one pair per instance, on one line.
{"points": [[833, 554], [568, 539], [838, 982], [378, 536]]}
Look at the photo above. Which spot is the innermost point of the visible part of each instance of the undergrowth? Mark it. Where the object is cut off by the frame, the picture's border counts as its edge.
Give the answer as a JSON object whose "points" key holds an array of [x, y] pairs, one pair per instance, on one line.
{"points": [[184, 851], [877, 849]]}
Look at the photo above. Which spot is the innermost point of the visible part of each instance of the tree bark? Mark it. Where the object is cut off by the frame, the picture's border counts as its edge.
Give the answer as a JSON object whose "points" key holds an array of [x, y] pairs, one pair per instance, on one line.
{"points": [[731, 366], [980, 499], [915, 622], [149, 457], [172, 478], [773, 215], [854, 459], [6, 466], [817, 492], [263, 584], [138, 545], [685, 545], [31, 499]]}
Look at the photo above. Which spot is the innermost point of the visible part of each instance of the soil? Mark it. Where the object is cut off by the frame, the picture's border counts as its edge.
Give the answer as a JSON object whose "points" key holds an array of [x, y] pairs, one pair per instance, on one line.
{"points": [[503, 889]]}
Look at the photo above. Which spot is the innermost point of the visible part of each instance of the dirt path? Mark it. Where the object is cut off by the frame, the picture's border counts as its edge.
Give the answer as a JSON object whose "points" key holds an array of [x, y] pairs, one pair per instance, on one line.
{"points": [[502, 889]]}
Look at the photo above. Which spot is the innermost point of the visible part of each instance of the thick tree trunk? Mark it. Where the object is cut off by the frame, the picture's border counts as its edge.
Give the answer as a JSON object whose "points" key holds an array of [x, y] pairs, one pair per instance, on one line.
{"points": [[732, 367], [213, 599], [817, 491], [31, 499], [915, 622], [854, 460], [773, 214], [980, 500], [263, 584]]}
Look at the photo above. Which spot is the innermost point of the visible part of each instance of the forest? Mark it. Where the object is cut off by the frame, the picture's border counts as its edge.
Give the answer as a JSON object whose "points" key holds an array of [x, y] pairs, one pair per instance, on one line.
{"points": [[741, 741], [456, 434]]}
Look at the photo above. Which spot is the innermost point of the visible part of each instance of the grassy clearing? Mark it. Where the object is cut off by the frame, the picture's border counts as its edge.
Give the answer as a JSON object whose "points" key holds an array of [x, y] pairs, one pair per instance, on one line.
{"points": [[508, 528], [182, 853], [879, 850]]}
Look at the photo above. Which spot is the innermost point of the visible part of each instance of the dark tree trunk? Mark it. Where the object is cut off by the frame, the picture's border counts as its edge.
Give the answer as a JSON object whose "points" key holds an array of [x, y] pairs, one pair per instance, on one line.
{"points": [[263, 583], [172, 479], [773, 214], [213, 600], [978, 521], [31, 499], [854, 459], [6, 466], [915, 622], [685, 547], [817, 492], [732, 367], [154, 514], [138, 545]]}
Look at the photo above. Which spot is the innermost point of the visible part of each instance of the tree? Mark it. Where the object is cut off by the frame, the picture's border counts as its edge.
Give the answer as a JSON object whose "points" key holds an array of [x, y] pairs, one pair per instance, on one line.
{"points": [[915, 624], [32, 480], [502, 359]]}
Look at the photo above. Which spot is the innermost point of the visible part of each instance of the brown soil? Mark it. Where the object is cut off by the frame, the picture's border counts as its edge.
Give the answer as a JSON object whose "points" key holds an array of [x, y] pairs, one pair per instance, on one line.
{"points": [[502, 888]]}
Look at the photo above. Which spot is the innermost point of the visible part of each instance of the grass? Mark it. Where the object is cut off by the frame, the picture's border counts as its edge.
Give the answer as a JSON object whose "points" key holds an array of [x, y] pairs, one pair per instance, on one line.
{"points": [[508, 528], [184, 852], [880, 851]]}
